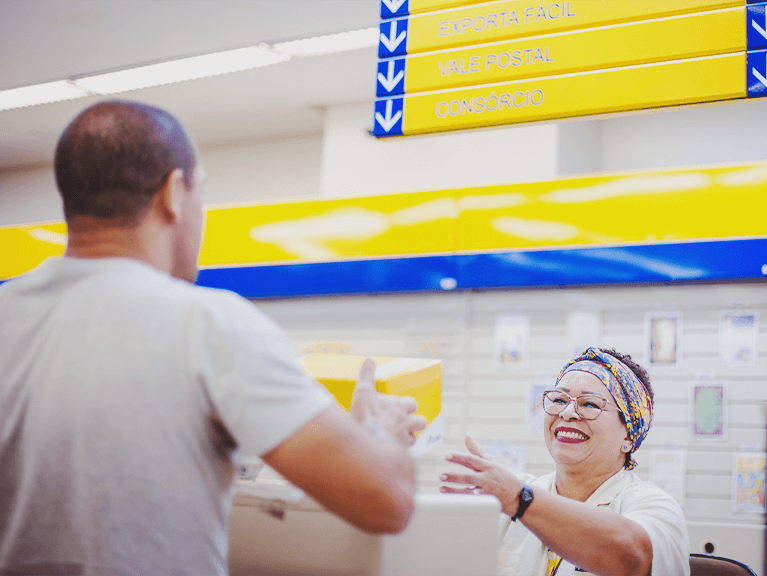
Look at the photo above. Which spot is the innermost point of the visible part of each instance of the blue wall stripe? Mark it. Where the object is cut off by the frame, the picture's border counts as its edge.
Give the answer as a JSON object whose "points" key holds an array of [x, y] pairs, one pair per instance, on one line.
{"points": [[348, 277], [744, 259], [720, 260]]}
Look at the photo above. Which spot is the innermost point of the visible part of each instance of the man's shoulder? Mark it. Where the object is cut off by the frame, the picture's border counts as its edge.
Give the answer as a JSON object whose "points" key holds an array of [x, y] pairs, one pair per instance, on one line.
{"points": [[212, 300], [136, 284], [131, 287], [220, 308]]}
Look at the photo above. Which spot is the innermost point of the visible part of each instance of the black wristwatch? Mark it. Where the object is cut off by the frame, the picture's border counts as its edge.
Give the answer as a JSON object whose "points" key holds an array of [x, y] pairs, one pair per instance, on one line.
{"points": [[525, 499]]}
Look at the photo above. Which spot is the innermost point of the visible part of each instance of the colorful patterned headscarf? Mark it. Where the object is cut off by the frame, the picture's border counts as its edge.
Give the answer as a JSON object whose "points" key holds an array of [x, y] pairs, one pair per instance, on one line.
{"points": [[626, 389]]}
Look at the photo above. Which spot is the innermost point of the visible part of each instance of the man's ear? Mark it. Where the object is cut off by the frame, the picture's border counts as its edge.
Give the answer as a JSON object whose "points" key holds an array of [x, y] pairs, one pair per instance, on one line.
{"points": [[170, 196]]}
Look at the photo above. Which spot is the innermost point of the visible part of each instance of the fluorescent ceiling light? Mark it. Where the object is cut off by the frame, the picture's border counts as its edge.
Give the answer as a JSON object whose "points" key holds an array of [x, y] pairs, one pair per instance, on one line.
{"points": [[331, 43], [40, 94], [181, 70], [186, 69]]}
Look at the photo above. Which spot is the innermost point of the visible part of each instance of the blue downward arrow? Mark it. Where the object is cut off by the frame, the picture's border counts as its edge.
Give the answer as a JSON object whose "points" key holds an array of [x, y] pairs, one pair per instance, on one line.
{"points": [[394, 8], [393, 38], [388, 117], [391, 77], [756, 24], [756, 73]]}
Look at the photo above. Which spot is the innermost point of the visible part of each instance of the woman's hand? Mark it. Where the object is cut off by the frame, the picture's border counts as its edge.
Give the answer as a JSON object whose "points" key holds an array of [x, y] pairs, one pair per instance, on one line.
{"points": [[486, 477]]}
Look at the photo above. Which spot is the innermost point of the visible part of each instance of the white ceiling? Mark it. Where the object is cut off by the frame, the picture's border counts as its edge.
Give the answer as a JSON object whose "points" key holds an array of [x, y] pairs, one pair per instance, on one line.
{"points": [[45, 40]]}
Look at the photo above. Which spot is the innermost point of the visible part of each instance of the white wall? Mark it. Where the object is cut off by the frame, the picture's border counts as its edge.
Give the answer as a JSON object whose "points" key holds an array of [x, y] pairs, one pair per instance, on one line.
{"points": [[263, 170], [29, 195], [240, 172], [579, 149], [711, 134], [345, 160], [354, 163]]}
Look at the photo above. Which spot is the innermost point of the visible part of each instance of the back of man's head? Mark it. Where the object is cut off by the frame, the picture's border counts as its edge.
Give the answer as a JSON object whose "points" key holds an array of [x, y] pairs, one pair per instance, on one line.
{"points": [[115, 156]]}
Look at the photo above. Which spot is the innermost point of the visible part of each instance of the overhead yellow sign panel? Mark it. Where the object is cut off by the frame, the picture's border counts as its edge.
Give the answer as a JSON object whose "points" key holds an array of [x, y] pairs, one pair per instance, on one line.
{"points": [[480, 48], [502, 20], [677, 37], [613, 90]]}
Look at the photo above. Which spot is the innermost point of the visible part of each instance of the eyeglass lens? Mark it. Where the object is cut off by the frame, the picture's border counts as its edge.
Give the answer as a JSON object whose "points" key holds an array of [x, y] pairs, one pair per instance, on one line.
{"points": [[587, 406]]}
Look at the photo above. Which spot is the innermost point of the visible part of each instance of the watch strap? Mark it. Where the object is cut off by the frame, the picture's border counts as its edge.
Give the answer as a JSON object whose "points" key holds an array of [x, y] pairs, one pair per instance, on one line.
{"points": [[525, 499]]}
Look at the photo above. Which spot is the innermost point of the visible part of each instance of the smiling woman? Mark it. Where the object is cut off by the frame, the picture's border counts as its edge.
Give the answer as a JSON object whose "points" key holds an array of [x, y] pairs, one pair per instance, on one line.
{"points": [[591, 515]]}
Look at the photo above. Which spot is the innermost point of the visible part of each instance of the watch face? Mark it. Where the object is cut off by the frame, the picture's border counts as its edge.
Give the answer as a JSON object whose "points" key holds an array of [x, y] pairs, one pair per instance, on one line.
{"points": [[526, 495], [525, 499]]}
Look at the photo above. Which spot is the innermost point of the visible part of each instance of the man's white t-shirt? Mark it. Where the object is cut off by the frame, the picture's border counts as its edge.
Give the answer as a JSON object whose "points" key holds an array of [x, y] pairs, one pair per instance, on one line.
{"points": [[522, 554], [122, 394]]}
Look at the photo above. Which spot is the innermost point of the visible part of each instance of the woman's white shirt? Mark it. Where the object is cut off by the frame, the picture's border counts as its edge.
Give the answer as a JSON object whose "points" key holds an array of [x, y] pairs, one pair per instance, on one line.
{"points": [[522, 554]]}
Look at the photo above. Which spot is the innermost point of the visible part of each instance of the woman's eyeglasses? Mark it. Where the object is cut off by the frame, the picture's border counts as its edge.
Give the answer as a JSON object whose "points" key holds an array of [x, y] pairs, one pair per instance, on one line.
{"points": [[587, 406]]}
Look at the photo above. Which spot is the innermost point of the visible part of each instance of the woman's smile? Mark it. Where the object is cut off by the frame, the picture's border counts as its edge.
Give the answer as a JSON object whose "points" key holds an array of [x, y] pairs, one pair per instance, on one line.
{"points": [[569, 435]]}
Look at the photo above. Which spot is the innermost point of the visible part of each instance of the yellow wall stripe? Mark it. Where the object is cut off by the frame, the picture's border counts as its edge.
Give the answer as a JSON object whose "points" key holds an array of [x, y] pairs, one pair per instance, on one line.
{"points": [[324, 230], [650, 207], [24, 247]]}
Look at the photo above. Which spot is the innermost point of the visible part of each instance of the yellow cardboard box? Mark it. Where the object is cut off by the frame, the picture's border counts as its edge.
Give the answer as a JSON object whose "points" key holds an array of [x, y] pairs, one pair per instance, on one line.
{"points": [[420, 378]]}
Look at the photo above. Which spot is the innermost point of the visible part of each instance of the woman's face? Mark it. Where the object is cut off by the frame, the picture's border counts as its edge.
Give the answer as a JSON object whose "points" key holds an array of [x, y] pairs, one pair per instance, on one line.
{"points": [[595, 444]]}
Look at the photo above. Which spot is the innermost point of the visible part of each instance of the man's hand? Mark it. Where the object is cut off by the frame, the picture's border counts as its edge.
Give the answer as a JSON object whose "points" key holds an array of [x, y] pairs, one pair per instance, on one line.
{"points": [[384, 415], [335, 460]]}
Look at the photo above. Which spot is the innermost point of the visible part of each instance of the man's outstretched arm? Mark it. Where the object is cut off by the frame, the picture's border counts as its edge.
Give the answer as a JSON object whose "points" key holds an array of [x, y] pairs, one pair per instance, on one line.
{"points": [[360, 472]]}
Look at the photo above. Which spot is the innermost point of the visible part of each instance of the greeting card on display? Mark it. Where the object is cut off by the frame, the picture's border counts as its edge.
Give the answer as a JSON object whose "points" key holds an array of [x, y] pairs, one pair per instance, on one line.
{"points": [[668, 469], [512, 342], [708, 411], [584, 329], [514, 457], [663, 339], [738, 339], [748, 482], [535, 404]]}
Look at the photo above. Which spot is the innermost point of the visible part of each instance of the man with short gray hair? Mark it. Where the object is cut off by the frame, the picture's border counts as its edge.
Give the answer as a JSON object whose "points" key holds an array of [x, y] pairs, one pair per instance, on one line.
{"points": [[127, 393]]}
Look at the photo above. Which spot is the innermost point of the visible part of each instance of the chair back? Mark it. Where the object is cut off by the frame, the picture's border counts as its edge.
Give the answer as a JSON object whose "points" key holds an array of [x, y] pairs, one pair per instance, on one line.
{"points": [[707, 565]]}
